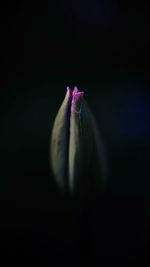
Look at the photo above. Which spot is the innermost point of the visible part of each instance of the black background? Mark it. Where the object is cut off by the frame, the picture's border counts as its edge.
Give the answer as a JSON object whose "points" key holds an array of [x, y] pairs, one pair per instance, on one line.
{"points": [[103, 48]]}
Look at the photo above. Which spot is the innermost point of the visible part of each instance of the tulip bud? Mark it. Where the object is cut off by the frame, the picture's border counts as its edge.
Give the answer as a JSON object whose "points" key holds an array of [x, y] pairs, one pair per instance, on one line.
{"points": [[77, 158]]}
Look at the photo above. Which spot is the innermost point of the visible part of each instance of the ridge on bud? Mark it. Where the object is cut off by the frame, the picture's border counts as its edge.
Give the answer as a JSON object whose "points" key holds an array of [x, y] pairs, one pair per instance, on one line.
{"points": [[76, 152]]}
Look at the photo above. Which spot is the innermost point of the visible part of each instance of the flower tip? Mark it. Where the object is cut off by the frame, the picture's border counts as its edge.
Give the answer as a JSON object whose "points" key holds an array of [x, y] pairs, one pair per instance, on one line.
{"points": [[75, 90], [69, 91]]}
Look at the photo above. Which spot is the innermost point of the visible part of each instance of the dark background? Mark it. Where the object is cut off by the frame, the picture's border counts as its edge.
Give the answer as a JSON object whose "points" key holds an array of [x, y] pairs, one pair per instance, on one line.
{"points": [[103, 48]]}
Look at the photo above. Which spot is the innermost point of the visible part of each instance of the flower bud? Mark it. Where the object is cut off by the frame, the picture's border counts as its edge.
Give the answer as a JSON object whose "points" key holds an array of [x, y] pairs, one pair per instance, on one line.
{"points": [[77, 158]]}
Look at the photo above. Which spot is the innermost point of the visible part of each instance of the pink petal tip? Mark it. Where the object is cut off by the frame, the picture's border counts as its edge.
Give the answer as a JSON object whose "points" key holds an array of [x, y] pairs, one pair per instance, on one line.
{"points": [[69, 91]]}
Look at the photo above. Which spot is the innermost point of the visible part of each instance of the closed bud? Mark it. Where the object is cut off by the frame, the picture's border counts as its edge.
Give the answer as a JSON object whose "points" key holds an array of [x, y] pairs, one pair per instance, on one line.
{"points": [[77, 156]]}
